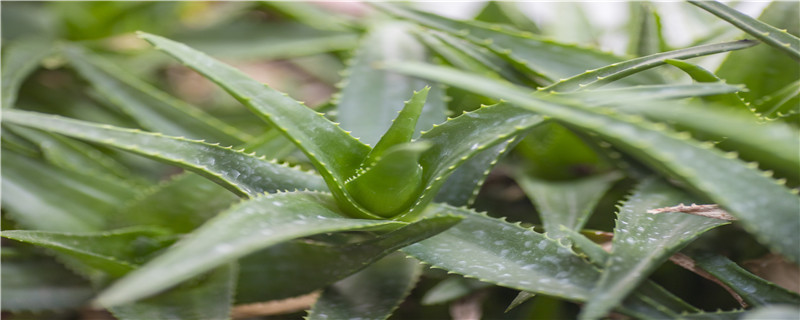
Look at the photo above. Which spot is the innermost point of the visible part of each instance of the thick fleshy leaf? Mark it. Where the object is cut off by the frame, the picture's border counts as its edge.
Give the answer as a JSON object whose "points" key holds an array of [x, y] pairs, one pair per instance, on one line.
{"points": [[301, 260], [613, 72], [781, 103], [506, 254], [402, 129], [736, 186], [765, 69], [702, 75], [566, 203], [377, 94], [152, 109], [642, 242], [334, 153], [463, 185], [461, 138], [651, 92], [39, 284], [503, 12], [646, 36], [39, 196], [373, 293], [243, 174], [210, 296], [258, 223], [776, 312], [754, 290], [777, 38], [114, 252], [20, 59], [544, 59]]}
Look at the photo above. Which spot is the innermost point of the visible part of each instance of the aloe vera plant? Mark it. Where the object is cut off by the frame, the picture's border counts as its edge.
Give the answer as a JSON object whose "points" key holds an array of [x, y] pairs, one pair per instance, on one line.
{"points": [[119, 196]]}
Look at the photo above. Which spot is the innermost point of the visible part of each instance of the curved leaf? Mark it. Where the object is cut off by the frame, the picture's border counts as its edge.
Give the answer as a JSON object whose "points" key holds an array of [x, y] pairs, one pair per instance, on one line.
{"points": [[779, 39], [736, 186], [463, 185], [258, 223], [241, 173], [642, 242], [153, 109], [301, 259], [754, 290], [334, 153], [781, 103], [20, 59], [649, 92], [540, 58], [613, 72], [114, 252], [372, 293], [208, 297]]}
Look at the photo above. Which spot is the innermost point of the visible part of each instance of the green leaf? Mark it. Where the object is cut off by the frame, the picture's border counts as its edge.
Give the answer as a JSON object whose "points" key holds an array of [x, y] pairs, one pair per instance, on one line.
{"points": [[781, 103], [334, 153], [43, 197], [301, 260], [646, 33], [373, 293], [567, 203], [462, 186], [457, 140], [376, 94], [311, 14], [502, 12], [506, 254], [764, 69], [114, 252], [734, 185], [779, 39], [613, 72], [209, 296], [402, 129], [39, 284], [702, 75], [258, 223], [754, 290], [241, 173], [776, 312], [540, 58], [20, 59], [153, 109], [451, 289], [650, 92], [642, 242]]}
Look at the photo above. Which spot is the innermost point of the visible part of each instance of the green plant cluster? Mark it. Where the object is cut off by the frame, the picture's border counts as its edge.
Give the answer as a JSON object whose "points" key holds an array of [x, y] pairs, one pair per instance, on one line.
{"points": [[122, 190]]}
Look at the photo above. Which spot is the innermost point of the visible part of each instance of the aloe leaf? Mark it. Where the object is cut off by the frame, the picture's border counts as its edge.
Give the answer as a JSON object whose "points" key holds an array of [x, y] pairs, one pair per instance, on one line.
{"points": [[310, 14], [506, 254], [241, 173], [153, 109], [522, 297], [764, 69], [259, 223], [779, 39], [457, 140], [376, 94], [700, 74], [781, 103], [114, 252], [613, 72], [39, 284], [402, 128], [650, 92], [43, 197], [334, 153], [451, 289], [210, 296], [554, 152], [740, 130], [373, 293], [642, 242], [754, 290], [301, 260], [540, 58], [462, 186], [719, 315], [567, 203], [706, 170], [20, 59], [646, 35]]}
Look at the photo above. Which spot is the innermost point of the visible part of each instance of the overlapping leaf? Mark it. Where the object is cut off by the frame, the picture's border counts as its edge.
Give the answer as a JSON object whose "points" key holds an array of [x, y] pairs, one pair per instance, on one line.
{"points": [[243, 174], [243, 229], [722, 179], [20, 59], [39, 284]]}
